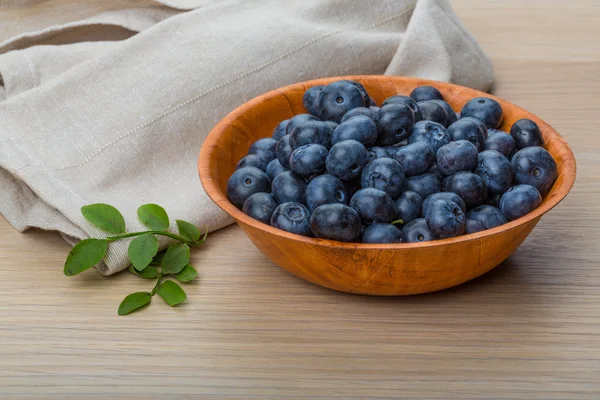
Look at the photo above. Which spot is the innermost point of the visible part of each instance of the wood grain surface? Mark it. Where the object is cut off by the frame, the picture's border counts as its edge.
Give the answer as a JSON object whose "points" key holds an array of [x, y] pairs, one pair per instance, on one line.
{"points": [[528, 329]]}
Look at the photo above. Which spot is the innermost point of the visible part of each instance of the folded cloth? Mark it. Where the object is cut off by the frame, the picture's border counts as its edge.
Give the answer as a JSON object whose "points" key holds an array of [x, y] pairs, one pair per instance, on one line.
{"points": [[121, 120]]}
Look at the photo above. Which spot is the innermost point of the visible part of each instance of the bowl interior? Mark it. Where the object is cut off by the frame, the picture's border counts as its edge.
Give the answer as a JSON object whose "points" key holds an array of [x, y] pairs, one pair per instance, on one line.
{"points": [[230, 140]]}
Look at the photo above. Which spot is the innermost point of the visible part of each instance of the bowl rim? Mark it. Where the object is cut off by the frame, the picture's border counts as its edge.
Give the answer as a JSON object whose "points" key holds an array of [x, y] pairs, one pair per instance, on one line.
{"points": [[220, 199]]}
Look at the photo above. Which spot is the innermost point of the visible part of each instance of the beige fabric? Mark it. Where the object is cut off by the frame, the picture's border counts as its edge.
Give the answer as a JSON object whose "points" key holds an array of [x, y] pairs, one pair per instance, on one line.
{"points": [[122, 122]]}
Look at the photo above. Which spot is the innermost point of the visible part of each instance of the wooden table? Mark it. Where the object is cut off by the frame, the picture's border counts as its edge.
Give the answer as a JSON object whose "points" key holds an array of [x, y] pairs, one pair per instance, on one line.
{"points": [[528, 329]]}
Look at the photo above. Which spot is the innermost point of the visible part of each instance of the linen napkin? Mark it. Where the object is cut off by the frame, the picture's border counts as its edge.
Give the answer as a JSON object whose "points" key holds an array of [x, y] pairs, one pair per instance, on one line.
{"points": [[114, 108]]}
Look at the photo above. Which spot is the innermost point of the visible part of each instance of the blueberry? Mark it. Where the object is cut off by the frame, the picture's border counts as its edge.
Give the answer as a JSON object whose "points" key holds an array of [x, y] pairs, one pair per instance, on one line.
{"points": [[366, 98], [433, 112], [470, 129], [473, 226], [495, 171], [384, 174], [359, 128], [264, 148], [337, 98], [431, 133], [292, 217], [375, 109], [456, 156], [408, 101], [274, 168], [417, 231], [287, 187], [364, 111], [450, 196], [435, 171], [468, 186], [493, 131], [308, 160], [484, 109], [535, 166], [489, 216], [283, 150], [376, 152], [415, 158], [394, 123], [424, 184], [424, 93], [450, 113], [311, 132], [260, 206], [336, 222], [309, 99], [279, 130], [500, 141], [373, 205], [526, 133], [297, 120], [382, 233], [325, 189], [332, 125], [520, 200], [346, 159], [445, 219], [252, 160], [372, 103], [408, 206], [244, 182]]}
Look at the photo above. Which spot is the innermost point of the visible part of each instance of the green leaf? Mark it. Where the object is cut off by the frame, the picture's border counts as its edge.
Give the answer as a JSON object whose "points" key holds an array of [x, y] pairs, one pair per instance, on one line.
{"points": [[149, 272], [105, 217], [133, 302], [154, 217], [85, 255], [158, 258], [141, 250], [187, 274], [188, 231], [176, 258], [172, 293]]}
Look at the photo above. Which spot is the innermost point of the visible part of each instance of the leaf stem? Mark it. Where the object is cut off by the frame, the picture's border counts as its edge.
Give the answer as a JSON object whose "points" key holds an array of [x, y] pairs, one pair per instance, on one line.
{"points": [[162, 233], [158, 280]]}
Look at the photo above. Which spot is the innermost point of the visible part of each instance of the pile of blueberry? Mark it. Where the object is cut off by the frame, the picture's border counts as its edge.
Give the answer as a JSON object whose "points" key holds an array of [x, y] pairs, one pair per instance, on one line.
{"points": [[410, 170]]}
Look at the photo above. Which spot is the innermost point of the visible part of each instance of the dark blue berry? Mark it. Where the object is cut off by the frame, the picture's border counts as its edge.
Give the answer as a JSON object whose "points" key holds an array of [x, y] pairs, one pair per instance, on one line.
{"points": [[424, 93], [359, 128], [435, 171], [364, 111], [468, 186], [283, 151], [376, 152], [325, 189], [489, 216], [292, 217], [244, 182], [264, 148], [415, 158], [408, 206], [450, 113], [279, 130], [309, 100], [470, 129], [384, 174], [495, 171], [526, 133], [274, 168], [287, 187], [332, 125], [450, 196], [474, 226], [366, 98], [382, 233], [373, 205], [424, 184], [456, 156], [519, 200], [445, 219], [394, 123], [433, 112], [487, 110], [431, 133], [417, 231], [500, 141], [337, 98], [308, 160], [535, 166], [297, 120], [408, 101], [346, 159], [336, 222], [252, 160], [311, 132], [260, 206]]}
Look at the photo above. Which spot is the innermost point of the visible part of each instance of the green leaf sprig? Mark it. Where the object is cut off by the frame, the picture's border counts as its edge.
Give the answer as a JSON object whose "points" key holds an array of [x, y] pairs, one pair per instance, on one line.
{"points": [[143, 252]]}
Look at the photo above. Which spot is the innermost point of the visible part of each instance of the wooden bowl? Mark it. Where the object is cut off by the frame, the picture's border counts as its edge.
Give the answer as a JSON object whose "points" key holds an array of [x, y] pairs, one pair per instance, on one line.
{"points": [[375, 269]]}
